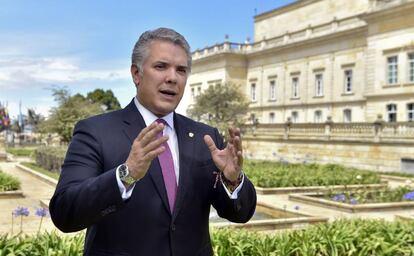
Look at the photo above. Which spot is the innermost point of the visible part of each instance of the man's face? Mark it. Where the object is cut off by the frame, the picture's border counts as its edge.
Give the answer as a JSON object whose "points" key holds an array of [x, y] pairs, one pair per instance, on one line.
{"points": [[164, 75]]}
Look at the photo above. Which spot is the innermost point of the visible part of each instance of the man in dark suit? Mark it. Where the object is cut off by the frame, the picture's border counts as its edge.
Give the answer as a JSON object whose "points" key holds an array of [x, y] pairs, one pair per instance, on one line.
{"points": [[142, 179]]}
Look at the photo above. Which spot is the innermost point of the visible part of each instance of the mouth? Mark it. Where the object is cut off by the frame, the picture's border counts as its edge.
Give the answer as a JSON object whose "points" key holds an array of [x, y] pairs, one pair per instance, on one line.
{"points": [[169, 93]]}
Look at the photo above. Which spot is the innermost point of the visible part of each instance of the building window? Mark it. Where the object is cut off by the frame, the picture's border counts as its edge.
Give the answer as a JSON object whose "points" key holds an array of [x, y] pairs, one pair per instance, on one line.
{"points": [[410, 112], [347, 115], [392, 64], [272, 90], [295, 117], [295, 87], [348, 81], [411, 67], [192, 93], [271, 117], [199, 90], [318, 116], [318, 85], [392, 112], [253, 91]]}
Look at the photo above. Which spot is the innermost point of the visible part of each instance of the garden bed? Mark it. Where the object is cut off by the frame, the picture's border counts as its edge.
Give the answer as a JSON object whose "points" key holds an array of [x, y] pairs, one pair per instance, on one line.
{"points": [[288, 190], [277, 218], [267, 174], [37, 174], [360, 201], [405, 217], [344, 237], [11, 194]]}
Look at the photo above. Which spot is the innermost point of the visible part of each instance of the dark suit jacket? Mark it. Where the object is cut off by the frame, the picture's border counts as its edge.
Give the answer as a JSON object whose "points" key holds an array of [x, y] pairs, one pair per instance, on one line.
{"points": [[87, 195]]}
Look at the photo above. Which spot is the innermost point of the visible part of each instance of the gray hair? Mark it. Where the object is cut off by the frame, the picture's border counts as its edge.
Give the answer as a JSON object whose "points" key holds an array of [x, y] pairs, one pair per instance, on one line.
{"points": [[140, 51]]}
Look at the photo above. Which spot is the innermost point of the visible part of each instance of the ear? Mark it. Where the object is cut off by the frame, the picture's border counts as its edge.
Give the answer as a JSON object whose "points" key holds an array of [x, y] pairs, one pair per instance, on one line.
{"points": [[135, 74]]}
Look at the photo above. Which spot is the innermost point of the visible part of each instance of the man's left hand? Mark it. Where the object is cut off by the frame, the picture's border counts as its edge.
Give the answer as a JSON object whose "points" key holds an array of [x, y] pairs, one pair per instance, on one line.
{"points": [[230, 159]]}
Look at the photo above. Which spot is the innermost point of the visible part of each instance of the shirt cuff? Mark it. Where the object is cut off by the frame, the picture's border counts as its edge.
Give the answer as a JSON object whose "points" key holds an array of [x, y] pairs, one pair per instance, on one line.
{"points": [[235, 193], [125, 193]]}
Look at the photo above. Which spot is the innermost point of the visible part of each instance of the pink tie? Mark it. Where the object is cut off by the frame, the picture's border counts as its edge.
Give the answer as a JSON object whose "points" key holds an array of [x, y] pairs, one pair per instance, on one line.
{"points": [[168, 173]]}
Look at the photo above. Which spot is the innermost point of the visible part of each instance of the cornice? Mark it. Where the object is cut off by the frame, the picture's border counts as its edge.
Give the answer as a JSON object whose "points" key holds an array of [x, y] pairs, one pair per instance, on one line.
{"points": [[405, 8], [287, 8], [354, 32]]}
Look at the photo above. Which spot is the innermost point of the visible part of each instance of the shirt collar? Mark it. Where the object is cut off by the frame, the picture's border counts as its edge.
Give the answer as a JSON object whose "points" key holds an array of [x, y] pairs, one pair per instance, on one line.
{"points": [[149, 117]]}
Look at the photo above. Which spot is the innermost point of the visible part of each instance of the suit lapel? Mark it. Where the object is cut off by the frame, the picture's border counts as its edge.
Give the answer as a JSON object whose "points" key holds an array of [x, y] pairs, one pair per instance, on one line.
{"points": [[134, 123], [186, 150]]}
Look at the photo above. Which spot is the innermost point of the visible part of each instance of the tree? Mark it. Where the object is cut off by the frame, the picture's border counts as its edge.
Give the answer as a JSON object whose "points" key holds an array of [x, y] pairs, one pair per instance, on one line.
{"points": [[221, 106], [104, 98], [34, 118], [69, 111]]}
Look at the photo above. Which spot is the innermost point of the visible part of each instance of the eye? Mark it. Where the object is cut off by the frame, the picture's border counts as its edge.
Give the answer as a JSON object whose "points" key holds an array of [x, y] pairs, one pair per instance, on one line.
{"points": [[160, 66], [182, 70]]}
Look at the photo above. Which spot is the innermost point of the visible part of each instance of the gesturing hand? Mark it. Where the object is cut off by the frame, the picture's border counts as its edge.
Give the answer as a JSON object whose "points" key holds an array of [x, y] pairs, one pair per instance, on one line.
{"points": [[230, 159], [145, 148]]}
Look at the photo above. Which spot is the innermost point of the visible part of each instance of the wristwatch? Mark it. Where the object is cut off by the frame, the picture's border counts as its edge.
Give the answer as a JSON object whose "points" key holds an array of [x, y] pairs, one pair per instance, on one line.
{"points": [[123, 173]]}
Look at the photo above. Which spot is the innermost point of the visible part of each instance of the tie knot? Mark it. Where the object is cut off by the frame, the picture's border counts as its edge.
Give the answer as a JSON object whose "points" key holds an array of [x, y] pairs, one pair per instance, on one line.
{"points": [[161, 121]]}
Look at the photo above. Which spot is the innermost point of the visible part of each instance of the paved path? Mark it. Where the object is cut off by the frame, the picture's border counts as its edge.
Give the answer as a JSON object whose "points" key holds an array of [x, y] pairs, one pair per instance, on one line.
{"points": [[34, 191]]}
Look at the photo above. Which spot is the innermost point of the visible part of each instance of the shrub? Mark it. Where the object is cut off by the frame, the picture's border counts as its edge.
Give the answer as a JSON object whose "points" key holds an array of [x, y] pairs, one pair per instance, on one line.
{"points": [[8, 183], [281, 174], [50, 158]]}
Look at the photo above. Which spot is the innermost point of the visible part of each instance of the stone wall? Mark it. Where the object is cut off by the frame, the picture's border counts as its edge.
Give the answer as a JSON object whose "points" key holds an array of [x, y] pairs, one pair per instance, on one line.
{"points": [[373, 146]]}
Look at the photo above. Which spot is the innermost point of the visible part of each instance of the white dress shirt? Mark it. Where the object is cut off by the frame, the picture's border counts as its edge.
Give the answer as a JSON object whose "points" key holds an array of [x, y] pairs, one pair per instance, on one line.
{"points": [[169, 130]]}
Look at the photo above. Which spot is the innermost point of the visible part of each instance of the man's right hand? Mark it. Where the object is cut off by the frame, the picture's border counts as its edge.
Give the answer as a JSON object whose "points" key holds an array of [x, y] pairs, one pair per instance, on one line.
{"points": [[145, 148]]}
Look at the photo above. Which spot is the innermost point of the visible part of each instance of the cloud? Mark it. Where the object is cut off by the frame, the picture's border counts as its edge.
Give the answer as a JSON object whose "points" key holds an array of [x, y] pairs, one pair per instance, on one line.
{"points": [[18, 73]]}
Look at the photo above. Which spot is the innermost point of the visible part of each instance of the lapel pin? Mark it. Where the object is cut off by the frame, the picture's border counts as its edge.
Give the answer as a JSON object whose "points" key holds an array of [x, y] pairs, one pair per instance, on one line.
{"points": [[191, 134]]}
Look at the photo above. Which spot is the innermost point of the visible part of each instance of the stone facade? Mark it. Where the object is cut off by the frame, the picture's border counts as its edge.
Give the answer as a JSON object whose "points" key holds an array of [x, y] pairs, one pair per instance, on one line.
{"points": [[350, 60], [329, 81]]}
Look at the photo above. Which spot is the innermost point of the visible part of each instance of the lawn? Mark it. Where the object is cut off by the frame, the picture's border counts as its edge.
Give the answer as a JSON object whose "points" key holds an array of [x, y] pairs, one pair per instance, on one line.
{"points": [[41, 170], [21, 151]]}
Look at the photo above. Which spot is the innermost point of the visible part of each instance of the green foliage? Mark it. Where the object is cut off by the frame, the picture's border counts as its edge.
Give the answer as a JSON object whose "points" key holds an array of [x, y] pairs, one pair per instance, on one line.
{"points": [[70, 110], [42, 244], [269, 174], [345, 237], [221, 106], [363, 196], [21, 151], [105, 98], [8, 183], [342, 237], [50, 158], [41, 170]]}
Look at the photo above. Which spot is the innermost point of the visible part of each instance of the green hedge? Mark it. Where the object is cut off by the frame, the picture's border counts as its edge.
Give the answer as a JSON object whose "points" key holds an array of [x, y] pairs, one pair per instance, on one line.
{"points": [[344, 237], [277, 174], [50, 158], [8, 183]]}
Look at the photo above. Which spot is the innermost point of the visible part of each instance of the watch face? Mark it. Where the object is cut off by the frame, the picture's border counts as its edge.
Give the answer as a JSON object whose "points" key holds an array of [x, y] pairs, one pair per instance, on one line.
{"points": [[123, 171]]}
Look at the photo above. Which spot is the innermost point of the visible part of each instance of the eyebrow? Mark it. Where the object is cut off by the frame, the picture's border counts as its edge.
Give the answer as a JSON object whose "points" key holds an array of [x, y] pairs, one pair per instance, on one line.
{"points": [[168, 63]]}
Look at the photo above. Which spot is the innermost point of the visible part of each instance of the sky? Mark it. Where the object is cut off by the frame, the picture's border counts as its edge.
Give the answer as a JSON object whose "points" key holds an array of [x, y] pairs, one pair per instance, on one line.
{"points": [[84, 45]]}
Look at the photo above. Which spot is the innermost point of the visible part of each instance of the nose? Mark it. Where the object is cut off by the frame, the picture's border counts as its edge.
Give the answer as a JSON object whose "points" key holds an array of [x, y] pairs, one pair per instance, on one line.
{"points": [[171, 77]]}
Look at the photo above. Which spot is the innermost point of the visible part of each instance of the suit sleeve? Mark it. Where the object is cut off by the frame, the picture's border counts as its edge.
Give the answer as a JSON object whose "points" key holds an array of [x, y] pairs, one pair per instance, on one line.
{"points": [[85, 193], [238, 210]]}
